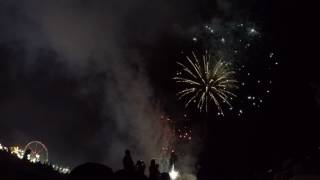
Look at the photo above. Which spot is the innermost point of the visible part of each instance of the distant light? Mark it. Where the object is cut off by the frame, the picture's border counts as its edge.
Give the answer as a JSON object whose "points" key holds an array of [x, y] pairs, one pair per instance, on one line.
{"points": [[223, 40], [240, 112], [194, 39], [252, 31], [271, 55]]}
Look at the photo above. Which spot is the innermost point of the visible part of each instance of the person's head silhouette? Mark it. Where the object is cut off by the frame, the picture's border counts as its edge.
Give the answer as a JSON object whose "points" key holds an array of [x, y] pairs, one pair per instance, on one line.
{"points": [[127, 152], [140, 166], [153, 162]]}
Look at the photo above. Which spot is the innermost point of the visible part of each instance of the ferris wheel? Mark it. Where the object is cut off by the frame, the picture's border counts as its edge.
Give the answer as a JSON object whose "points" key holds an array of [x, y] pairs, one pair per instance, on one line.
{"points": [[38, 152]]}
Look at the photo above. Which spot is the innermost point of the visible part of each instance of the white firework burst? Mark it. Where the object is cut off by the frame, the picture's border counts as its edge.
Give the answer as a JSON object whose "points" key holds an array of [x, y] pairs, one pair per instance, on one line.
{"points": [[209, 80]]}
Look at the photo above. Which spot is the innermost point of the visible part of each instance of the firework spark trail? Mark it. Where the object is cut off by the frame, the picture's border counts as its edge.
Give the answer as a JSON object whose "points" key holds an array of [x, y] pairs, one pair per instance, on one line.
{"points": [[205, 81], [239, 42]]}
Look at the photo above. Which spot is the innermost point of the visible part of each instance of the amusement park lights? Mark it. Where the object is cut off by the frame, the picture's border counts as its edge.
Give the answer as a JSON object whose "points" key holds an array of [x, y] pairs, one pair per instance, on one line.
{"points": [[17, 151], [34, 156]]}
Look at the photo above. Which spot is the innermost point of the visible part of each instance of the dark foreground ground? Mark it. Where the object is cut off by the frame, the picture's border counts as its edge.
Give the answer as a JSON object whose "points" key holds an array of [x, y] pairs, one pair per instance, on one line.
{"points": [[11, 167]]}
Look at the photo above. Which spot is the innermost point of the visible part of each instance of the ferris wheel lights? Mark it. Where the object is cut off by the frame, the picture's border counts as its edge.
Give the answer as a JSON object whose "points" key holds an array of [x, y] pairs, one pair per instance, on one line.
{"points": [[37, 153]]}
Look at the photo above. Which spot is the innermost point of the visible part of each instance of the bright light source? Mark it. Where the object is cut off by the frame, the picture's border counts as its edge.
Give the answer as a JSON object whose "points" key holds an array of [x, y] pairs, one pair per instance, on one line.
{"points": [[174, 174]]}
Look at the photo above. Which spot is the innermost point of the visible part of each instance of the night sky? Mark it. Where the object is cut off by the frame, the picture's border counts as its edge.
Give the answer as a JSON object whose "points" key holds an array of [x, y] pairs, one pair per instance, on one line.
{"points": [[91, 78]]}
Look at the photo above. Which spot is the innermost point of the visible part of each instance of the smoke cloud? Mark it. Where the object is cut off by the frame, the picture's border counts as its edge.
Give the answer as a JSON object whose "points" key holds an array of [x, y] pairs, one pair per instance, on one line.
{"points": [[87, 42], [77, 80]]}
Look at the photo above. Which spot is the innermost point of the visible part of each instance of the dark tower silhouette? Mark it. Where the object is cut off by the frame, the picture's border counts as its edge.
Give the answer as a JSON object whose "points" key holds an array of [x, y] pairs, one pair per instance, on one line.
{"points": [[173, 158]]}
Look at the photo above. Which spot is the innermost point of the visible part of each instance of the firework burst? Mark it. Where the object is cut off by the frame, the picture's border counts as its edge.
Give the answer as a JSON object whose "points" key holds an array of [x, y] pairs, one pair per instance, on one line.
{"points": [[205, 81]]}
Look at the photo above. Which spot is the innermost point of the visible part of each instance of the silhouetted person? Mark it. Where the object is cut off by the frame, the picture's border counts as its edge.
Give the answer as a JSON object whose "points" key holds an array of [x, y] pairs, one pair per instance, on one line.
{"points": [[25, 155], [140, 168], [128, 168], [127, 161], [154, 170]]}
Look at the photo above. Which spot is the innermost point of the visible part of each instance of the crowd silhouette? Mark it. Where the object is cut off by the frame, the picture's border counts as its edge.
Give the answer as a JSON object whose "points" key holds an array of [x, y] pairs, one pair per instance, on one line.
{"points": [[137, 171], [12, 167]]}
